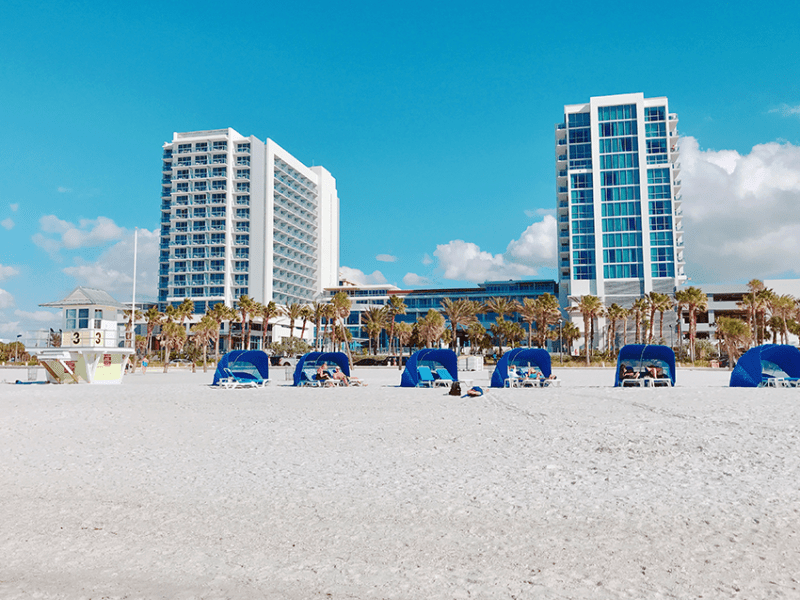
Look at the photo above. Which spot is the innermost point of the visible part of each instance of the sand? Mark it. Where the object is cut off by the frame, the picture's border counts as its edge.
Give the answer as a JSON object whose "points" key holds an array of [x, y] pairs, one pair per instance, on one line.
{"points": [[164, 488]]}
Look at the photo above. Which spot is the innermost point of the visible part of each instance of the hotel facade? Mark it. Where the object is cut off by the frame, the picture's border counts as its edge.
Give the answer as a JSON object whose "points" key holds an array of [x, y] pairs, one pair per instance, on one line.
{"points": [[620, 231], [244, 217]]}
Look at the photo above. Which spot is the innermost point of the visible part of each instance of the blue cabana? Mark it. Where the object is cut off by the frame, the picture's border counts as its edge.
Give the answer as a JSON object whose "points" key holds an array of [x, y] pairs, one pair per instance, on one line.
{"points": [[766, 362], [640, 356], [429, 357], [309, 363], [521, 358], [245, 364]]}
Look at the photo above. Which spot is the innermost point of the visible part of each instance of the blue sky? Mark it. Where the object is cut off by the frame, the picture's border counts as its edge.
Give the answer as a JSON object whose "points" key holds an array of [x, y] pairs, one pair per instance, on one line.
{"points": [[435, 118]]}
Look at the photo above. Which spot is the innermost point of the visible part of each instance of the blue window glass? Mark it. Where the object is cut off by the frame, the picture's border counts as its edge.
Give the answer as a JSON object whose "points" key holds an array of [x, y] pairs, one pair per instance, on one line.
{"points": [[657, 146], [583, 241], [661, 238], [654, 113], [579, 120], [583, 226], [582, 211], [655, 130], [623, 224], [661, 207], [580, 136], [662, 269], [582, 197], [660, 223], [658, 176], [581, 180], [655, 192]]}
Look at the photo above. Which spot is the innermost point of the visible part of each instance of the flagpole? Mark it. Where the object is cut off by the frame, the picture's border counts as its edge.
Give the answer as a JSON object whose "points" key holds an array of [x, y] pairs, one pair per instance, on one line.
{"points": [[133, 300]]}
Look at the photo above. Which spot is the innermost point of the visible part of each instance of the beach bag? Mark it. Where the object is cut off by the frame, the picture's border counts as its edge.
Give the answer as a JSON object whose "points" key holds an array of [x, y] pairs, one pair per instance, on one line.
{"points": [[455, 389]]}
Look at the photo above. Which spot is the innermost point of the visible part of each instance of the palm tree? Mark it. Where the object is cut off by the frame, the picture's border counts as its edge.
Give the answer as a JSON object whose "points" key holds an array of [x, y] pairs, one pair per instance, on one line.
{"points": [[590, 307], [268, 311], [615, 312], [431, 327], [292, 312], [306, 315], [329, 313], [458, 312], [546, 309], [652, 299], [501, 307], [696, 300], [203, 332], [395, 307], [403, 331], [733, 333], [527, 311], [185, 309], [374, 320], [246, 307], [152, 317], [341, 302], [317, 314], [638, 310], [681, 302], [172, 337], [219, 313], [784, 306], [131, 316], [569, 333]]}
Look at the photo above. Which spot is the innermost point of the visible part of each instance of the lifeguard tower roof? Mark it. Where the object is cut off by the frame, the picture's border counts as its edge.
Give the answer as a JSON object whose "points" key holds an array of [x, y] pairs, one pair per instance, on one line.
{"points": [[83, 296]]}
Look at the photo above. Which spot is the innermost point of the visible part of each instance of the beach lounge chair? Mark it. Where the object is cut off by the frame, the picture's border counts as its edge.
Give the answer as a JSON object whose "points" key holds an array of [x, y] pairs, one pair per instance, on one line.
{"points": [[308, 378], [232, 381], [442, 378], [425, 377]]}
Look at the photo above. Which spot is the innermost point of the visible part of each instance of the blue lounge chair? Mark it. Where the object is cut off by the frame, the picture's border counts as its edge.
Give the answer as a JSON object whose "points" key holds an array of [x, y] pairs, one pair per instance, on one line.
{"points": [[442, 377], [425, 377], [232, 380]]}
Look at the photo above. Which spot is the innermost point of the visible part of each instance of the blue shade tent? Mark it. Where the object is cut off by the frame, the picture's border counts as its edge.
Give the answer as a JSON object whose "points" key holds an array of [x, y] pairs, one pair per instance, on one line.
{"points": [[310, 363], [245, 364], [765, 362], [640, 356], [430, 357], [521, 358]]}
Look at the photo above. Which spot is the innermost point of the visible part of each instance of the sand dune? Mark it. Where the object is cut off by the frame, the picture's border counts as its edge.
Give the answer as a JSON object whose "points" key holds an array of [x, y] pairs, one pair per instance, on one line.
{"points": [[165, 488]]}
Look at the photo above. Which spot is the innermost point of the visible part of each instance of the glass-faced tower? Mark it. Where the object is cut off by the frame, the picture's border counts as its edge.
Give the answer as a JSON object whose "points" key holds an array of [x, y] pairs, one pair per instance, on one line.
{"points": [[620, 234]]}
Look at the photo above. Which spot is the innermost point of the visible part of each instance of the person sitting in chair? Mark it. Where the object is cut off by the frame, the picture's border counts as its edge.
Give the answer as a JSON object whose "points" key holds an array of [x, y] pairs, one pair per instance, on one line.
{"points": [[322, 373], [338, 375], [626, 372]]}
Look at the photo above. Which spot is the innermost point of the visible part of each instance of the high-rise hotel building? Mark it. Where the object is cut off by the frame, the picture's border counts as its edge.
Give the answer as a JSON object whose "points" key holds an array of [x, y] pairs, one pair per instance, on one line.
{"points": [[620, 234], [241, 216]]}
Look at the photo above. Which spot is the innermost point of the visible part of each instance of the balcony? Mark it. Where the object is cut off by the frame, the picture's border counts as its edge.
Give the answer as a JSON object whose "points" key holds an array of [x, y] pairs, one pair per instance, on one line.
{"points": [[561, 158], [562, 173], [561, 126]]}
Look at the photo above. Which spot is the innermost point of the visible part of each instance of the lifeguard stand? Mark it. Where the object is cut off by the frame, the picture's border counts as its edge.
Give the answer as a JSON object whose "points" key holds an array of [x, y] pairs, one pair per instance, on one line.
{"points": [[90, 346]]}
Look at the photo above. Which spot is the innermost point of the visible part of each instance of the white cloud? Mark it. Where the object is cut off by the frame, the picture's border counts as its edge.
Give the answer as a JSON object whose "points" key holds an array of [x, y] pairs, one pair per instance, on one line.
{"points": [[113, 269], [465, 261], [10, 329], [540, 212], [40, 316], [7, 271], [386, 258], [64, 190], [88, 233], [7, 223], [787, 111], [741, 212], [537, 244], [359, 278], [14, 207], [6, 299], [413, 280], [427, 260]]}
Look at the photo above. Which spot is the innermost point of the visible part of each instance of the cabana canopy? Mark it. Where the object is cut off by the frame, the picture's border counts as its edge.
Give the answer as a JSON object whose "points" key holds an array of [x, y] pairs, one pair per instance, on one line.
{"points": [[313, 360], [521, 358], [769, 360], [430, 357], [640, 356], [246, 364]]}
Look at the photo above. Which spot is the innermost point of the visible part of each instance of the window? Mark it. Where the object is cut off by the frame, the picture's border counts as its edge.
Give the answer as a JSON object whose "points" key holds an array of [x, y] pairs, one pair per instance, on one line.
{"points": [[582, 211], [180, 252], [654, 113], [662, 269], [621, 209], [242, 173], [620, 193], [660, 223], [242, 239], [180, 240], [619, 161], [583, 241], [580, 136], [623, 255], [243, 161], [182, 187], [655, 130], [201, 147], [198, 265], [200, 199], [199, 238], [243, 200], [216, 291], [197, 292], [627, 177], [198, 252], [661, 207], [199, 213], [216, 250], [240, 265], [219, 172], [616, 113], [217, 211], [218, 198], [184, 148], [219, 159], [240, 279], [661, 254], [198, 225], [622, 224], [219, 185], [200, 186], [217, 265], [217, 238], [656, 146], [200, 173], [622, 240], [179, 280], [242, 252], [218, 225], [581, 180], [216, 278], [658, 176], [583, 226], [661, 238], [242, 213], [182, 200], [242, 187], [179, 291], [614, 145], [201, 160], [198, 279], [579, 120], [582, 197], [220, 146], [72, 319], [244, 147]]}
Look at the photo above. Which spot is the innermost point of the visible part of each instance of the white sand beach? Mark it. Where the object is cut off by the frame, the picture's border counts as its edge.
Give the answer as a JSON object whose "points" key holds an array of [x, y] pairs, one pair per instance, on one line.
{"points": [[165, 488]]}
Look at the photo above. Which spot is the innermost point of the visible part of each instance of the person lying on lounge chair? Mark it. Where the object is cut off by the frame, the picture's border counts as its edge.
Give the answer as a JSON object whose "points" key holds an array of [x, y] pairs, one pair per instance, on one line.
{"points": [[475, 391], [338, 375], [628, 373]]}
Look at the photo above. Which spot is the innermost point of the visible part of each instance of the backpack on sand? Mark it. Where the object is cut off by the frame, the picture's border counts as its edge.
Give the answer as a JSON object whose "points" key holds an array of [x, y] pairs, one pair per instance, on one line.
{"points": [[455, 389]]}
